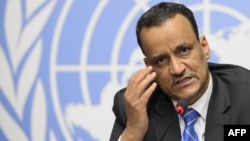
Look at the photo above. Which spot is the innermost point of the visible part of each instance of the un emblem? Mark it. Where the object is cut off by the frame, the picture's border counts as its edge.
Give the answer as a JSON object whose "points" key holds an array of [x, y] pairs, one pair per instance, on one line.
{"points": [[91, 60], [62, 62]]}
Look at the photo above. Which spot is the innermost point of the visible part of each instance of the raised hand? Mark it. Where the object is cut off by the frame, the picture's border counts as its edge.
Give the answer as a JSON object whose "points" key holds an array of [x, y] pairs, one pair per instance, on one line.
{"points": [[140, 87]]}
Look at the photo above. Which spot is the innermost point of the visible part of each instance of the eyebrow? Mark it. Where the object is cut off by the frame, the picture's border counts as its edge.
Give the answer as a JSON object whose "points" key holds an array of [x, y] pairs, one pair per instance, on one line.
{"points": [[176, 49], [154, 58]]}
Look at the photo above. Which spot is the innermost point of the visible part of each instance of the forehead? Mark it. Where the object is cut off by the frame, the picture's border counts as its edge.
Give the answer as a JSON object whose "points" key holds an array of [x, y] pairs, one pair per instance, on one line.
{"points": [[171, 33], [176, 24]]}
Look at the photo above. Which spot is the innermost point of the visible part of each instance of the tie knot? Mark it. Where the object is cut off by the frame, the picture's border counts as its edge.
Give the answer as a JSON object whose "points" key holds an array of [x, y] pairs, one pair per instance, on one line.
{"points": [[190, 116]]}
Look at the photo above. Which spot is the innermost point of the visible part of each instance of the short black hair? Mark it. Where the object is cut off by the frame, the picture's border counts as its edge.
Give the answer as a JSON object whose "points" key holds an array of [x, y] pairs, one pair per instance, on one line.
{"points": [[159, 13]]}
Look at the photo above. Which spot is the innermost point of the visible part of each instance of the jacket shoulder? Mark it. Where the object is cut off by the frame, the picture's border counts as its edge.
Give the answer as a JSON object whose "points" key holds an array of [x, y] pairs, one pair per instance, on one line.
{"points": [[230, 72], [119, 107]]}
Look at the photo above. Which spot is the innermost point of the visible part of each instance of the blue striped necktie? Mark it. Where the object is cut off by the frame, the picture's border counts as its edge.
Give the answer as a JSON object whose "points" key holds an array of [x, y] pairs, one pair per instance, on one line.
{"points": [[190, 116]]}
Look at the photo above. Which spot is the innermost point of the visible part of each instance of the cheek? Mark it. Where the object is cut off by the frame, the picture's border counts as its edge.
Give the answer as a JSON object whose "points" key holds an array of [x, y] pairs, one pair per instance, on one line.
{"points": [[201, 70], [163, 77], [197, 63]]}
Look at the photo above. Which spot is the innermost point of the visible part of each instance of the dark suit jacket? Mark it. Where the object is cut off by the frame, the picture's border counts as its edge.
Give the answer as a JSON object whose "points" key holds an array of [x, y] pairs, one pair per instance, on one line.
{"points": [[229, 104]]}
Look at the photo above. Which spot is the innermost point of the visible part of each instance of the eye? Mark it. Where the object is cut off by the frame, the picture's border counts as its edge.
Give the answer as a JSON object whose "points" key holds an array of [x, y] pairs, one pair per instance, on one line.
{"points": [[162, 60], [184, 51]]}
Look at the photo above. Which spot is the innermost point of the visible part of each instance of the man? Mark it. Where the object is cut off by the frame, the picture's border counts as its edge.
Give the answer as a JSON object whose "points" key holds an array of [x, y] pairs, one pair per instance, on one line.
{"points": [[177, 68]]}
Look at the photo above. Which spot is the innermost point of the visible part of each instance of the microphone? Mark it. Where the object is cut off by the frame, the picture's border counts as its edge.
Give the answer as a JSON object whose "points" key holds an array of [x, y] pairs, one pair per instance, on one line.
{"points": [[180, 108]]}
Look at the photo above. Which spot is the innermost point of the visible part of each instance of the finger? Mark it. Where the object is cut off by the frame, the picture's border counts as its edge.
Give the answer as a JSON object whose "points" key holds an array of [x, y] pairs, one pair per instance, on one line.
{"points": [[141, 88], [147, 94], [144, 84], [134, 83], [141, 74]]}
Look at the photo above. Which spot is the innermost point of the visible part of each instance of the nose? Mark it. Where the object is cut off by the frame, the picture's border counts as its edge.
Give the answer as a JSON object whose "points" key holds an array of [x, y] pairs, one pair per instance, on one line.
{"points": [[176, 67]]}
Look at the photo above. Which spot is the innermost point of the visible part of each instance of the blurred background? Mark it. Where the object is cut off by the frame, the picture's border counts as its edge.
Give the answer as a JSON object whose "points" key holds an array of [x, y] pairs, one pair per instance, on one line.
{"points": [[62, 61]]}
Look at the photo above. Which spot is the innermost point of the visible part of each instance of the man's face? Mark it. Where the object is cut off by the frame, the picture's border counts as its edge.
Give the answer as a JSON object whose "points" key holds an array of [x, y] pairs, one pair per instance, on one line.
{"points": [[177, 57]]}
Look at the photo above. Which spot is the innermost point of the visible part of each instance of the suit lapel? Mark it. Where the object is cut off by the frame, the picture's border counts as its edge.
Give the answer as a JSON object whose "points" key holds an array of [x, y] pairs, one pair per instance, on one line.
{"points": [[165, 118], [219, 103]]}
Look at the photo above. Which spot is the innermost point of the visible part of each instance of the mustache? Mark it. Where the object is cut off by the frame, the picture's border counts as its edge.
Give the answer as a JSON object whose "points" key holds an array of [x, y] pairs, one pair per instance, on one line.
{"points": [[177, 78]]}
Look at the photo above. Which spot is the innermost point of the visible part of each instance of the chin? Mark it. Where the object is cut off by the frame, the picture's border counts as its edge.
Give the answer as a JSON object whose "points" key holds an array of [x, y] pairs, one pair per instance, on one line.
{"points": [[187, 95]]}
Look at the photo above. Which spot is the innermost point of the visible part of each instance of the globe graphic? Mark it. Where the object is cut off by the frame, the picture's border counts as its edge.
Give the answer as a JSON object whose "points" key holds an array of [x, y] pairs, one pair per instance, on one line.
{"points": [[95, 52]]}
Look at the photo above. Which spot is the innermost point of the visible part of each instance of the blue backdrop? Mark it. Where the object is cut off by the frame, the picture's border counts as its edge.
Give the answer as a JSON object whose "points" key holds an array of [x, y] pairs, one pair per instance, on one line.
{"points": [[61, 62]]}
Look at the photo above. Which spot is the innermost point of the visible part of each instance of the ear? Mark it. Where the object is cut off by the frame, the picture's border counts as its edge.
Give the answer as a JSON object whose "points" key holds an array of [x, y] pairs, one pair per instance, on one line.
{"points": [[205, 46], [146, 62]]}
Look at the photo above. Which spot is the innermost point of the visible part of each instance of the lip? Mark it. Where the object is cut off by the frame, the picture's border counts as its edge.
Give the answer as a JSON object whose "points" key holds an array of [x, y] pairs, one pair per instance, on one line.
{"points": [[183, 82]]}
